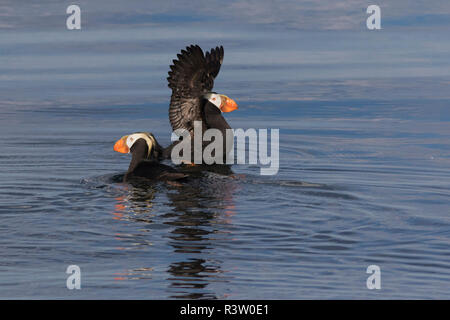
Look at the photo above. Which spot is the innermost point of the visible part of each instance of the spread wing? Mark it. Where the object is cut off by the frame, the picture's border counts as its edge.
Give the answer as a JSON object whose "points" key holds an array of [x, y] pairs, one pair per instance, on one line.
{"points": [[191, 76]]}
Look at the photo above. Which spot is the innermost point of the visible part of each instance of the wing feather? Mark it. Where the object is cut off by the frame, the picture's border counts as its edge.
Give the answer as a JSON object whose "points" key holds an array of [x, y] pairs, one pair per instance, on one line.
{"points": [[191, 75]]}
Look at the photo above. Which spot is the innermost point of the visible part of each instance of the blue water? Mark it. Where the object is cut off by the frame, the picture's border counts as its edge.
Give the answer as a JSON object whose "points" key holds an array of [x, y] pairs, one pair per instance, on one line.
{"points": [[364, 172]]}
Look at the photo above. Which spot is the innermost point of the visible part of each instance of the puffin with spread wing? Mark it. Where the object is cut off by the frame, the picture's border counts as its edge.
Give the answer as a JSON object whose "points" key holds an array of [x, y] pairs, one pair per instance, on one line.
{"points": [[191, 78]]}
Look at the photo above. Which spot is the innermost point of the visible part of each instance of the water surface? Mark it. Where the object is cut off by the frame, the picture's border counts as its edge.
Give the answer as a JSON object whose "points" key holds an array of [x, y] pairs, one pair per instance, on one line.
{"points": [[364, 166]]}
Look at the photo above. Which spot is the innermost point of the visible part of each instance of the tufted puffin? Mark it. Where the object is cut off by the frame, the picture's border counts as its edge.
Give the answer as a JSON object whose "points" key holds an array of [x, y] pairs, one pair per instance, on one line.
{"points": [[191, 79], [146, 153]]}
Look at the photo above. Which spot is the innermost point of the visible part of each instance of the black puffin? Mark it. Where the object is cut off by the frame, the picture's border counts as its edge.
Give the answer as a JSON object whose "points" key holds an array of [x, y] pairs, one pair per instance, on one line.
{"points": [[146, 153], [191, 78]]}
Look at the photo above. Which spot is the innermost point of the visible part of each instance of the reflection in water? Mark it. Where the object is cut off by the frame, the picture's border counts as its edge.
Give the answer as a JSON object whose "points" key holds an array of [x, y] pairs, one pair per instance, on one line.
{"points": [[135, 274], [197, 208], [194, 274]]}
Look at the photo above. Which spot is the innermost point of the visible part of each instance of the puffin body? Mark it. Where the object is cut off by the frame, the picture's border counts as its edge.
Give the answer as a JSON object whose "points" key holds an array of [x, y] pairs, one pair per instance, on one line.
{"points": [[211, 119], [144, 162], [192, 79], [154, 170]]}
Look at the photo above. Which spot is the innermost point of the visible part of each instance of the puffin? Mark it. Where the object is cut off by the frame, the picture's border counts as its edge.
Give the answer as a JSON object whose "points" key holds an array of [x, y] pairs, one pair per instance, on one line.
{"points": [[146, 154], [191, 79]]}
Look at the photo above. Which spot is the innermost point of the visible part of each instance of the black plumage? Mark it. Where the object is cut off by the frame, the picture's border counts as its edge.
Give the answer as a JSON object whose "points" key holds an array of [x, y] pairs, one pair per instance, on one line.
{"points": [[191, 77], [143, 166]]}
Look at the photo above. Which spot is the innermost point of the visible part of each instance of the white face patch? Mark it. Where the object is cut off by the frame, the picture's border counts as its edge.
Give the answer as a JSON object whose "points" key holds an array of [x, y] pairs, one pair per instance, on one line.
{"points": [[214, 98], [132, 138]]}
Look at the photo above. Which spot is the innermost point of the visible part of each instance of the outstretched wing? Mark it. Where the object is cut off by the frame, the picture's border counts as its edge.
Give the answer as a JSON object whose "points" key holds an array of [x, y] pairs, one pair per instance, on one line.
{"points": [[191, 76]]}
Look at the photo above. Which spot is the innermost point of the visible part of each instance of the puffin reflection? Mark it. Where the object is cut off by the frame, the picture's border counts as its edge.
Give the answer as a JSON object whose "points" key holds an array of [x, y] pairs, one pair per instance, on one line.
{"points": [[199, 211]]}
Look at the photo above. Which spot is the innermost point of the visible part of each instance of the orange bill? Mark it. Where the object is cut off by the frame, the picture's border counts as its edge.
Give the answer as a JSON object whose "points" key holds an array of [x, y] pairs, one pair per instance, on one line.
{"points": [[121, 145], [228, 105]]}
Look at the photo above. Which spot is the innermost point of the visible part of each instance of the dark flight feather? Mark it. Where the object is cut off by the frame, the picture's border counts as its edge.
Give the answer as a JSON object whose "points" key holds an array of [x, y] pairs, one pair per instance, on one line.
{"points": [[190, 77]]}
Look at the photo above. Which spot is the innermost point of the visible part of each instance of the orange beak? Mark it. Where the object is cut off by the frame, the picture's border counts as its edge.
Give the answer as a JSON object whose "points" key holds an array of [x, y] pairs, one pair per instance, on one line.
{"points": [[229, 105], [121, 145]]}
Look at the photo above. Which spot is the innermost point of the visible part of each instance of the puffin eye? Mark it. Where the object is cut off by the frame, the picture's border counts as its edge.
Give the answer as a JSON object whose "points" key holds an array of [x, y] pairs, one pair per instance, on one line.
{"points": [[214, 99]]}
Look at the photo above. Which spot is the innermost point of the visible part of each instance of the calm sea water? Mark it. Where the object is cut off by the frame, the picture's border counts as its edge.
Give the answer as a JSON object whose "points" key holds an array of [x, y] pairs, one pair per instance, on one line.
{"points": [[364, 168]]}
